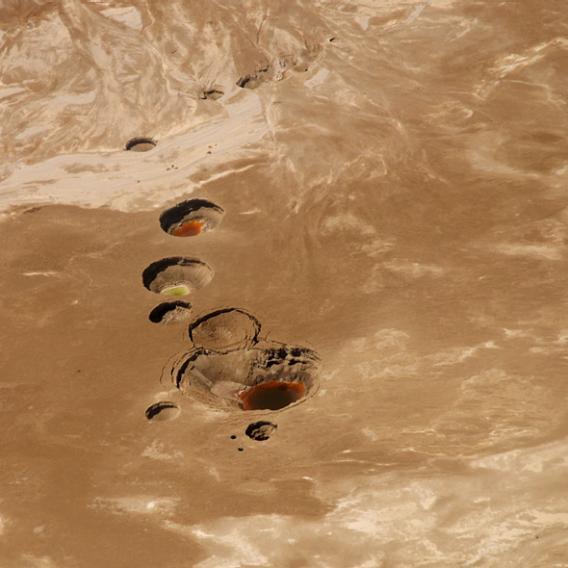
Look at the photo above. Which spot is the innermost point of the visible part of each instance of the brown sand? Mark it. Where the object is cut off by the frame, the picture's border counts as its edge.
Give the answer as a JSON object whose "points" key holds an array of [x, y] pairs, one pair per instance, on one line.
{"points": [[394, 189]]}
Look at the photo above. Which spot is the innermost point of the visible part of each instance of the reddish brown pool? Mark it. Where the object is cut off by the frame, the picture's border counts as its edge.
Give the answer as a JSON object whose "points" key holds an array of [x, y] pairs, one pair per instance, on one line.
{"points": [[189, 229], [271, 395]]}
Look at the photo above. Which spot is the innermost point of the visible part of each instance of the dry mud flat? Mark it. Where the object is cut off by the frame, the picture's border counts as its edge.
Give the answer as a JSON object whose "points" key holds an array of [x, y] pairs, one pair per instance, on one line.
{"points": [[284, 285]]}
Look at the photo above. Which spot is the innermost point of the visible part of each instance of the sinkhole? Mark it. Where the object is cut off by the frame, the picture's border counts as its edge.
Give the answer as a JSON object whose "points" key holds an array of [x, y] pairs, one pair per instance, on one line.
{"points": [[230, 367], [170, 312], [191, 218], [225, 330], [162, 411], [140, 144], [261, 430], [176, 276]]}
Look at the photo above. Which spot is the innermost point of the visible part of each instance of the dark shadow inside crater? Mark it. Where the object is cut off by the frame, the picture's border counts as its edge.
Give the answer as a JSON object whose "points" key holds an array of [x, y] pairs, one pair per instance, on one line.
{"points": [[261, 430], [271, 395], [140, 144], [249, 82], [170, 312], [211, 94], [162, 411]]}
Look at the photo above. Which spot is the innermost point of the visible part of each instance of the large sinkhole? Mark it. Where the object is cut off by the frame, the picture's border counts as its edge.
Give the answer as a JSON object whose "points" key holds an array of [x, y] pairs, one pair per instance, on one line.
{"points": [[230, 367], [224, 330], [265, 377], [176, 276], [191, 218]]}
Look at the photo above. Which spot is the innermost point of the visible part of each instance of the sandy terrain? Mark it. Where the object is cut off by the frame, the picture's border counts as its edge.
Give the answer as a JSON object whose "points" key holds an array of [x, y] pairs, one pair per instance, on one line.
{"points": [[390, 207]]}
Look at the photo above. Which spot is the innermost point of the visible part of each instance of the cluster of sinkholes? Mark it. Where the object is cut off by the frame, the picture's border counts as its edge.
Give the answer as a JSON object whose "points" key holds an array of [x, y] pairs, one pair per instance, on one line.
{"points": [[229, 365], [263, 73], [275, 71], [179, 276]]}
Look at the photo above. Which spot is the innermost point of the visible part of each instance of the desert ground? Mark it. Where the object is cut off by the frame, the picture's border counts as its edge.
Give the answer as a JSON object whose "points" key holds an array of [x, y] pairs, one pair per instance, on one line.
{"points": [[361, 203]]}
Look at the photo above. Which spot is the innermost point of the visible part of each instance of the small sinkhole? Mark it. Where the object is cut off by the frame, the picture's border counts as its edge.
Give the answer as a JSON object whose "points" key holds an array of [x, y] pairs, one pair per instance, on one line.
{"points": [[170, 312], [261, 430], [162, 411], [140, 144]]}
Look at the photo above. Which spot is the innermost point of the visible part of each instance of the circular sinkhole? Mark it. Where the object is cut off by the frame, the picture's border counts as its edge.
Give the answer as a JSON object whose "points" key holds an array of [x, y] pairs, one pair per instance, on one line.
{"points": [[170, 312], [261, 430], [225, 330], [176, 276], [162, 411], [191, 218], [140, 144], [267, 377]]}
